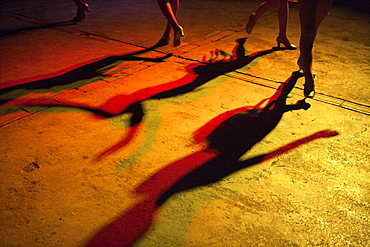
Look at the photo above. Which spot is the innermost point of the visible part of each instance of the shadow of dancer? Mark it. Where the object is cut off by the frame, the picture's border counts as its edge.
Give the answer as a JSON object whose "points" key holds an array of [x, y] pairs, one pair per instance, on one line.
{"points": [[219, 64], [198, 74], [81, 9], [227, 141], [233, 137], [12, 32], [73, 76]]}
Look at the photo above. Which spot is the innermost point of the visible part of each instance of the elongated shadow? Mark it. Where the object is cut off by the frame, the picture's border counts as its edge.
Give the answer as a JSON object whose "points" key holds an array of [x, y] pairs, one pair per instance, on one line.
{"points": [[235, 136], [84, 73], [219, 64], [198, 74], [227, 141], [12, 32]]}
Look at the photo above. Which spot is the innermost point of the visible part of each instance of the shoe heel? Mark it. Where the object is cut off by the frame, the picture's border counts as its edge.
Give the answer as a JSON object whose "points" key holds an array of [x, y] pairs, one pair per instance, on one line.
{"points": [[286, 43], [308, 92], [179, 32], [163, 41], [87, 8]]}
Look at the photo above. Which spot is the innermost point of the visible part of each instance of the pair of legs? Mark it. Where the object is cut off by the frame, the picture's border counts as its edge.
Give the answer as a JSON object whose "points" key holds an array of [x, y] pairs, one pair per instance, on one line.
{"points": [[169, 9], [283, 13], [311, 14], [82, 8]]}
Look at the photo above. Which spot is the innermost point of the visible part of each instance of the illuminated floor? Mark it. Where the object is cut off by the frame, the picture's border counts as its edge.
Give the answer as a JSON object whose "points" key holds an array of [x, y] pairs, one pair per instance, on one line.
{"points": [[107, 142]]}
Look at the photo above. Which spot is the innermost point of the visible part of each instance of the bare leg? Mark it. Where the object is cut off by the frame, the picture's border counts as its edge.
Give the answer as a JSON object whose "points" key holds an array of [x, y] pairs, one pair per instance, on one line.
{"points": [[78, 2], [283, 13], [311, 13], [307, 16], [169, 10], [261, 10], [82, 8], [323, 7]]}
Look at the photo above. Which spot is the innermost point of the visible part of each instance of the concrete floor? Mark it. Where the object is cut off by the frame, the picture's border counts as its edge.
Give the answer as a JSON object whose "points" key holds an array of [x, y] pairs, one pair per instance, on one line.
{"points": [[105, 142]]}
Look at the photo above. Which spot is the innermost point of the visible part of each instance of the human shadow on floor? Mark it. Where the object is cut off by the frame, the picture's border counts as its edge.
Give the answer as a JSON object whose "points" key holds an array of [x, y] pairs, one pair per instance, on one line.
{"points": [[198, 75], [74, 76], [12, 32], [228, 137]]}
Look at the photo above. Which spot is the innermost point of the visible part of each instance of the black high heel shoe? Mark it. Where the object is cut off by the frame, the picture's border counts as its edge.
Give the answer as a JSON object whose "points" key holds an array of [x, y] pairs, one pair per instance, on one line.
{"points": [[179, 32], [81, 12], [163, 41], [301, 68], [309, 90], [286, 43]]}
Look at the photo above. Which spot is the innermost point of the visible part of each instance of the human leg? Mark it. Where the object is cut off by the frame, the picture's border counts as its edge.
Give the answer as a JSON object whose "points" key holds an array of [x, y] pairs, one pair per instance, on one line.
{"points": [[78, 2], [283, 14], [178, 30], [307, 15], [311, 15], [261, 10], [82, 8], [323, 7], [169, 10]]}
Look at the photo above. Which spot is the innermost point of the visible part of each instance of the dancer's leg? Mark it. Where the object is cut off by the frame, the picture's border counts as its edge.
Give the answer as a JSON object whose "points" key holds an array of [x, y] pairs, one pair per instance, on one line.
{"points": [[261, 10], [311, 14], [169, 10], [78, 2], [82, 8], [283, 13], [307, 15], [323, 7]]}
